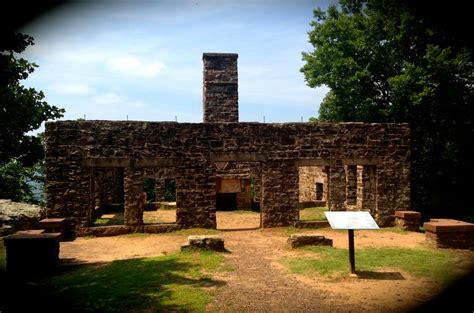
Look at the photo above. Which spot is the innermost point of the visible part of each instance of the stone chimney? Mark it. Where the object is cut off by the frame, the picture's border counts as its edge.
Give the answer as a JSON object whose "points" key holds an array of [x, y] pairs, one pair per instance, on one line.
{"points": [[220, 88]]}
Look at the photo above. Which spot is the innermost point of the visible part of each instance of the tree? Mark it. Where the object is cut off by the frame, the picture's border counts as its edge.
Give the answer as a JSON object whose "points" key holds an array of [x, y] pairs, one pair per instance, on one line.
{"points": [[385, 61], [21, 110]]}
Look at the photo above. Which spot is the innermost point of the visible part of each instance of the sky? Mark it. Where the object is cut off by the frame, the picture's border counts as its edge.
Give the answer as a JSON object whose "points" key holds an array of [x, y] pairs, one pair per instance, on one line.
{"points": [[142, 60]]}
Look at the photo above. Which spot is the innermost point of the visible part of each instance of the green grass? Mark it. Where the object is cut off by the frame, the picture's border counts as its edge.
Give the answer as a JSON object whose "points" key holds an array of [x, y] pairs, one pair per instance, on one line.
{"points": [[152, 220], [396, 230], [115, 220], [118, 220], [175, 282], [334, 263], [313, 214]]}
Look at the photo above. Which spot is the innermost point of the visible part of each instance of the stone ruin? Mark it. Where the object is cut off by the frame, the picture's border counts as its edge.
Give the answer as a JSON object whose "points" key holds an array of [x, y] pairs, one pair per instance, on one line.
{"points": [[360, 166]]}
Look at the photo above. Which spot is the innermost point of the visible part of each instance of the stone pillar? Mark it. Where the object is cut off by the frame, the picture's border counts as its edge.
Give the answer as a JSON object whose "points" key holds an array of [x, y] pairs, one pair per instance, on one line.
{"points": [[133, 185], [351, 185], [196, 194], [366, 188], [279, 205], [220, 88], [337, 188]]}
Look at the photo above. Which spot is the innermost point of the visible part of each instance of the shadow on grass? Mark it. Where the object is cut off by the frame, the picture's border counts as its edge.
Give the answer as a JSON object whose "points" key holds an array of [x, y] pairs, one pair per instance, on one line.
{"points": [[380, 275], [169, 283]]}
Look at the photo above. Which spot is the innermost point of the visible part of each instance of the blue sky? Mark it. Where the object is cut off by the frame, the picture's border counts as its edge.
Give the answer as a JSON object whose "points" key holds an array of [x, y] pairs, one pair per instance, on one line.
{"points": [[143, 59]]}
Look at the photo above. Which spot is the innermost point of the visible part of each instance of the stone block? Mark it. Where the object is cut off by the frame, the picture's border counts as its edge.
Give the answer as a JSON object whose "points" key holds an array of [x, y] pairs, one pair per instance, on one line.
{"points": [[205, 242], [300, 240], [449, 233], [53, 225], [32, 251], [448, 226], [408, 214], [408, 220]]}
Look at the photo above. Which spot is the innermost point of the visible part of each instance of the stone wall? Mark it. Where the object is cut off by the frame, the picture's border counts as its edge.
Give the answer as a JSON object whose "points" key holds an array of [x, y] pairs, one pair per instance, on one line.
{"points": [[308, 177], [220, 89], [77, 150]]}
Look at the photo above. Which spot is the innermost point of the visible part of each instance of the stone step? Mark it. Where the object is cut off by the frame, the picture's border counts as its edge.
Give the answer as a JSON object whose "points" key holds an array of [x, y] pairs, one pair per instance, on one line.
{"points": [[301, 240], [205, 242]]}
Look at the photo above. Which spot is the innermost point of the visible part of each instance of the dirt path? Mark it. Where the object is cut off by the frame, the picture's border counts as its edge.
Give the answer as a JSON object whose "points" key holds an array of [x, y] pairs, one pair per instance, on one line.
{"points": [[257, 285]]}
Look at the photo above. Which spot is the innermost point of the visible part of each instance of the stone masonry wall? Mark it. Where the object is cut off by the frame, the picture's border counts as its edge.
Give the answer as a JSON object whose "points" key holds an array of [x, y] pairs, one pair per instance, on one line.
{"points": [[308, 177], [220, 89], [75, 148]]}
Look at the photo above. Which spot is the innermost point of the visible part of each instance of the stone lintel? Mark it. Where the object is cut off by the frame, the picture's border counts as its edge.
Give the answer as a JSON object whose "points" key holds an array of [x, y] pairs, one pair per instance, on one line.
{"points": [[333, 162], [315, 162], [157, 162], [128, 162], [367, 161], [158, 176], [238, 157], [106, 162], [448, 226], [408, 214]]}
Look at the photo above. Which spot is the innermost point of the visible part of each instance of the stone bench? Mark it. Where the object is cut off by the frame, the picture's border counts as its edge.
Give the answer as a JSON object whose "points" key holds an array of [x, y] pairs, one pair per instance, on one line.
{"points": [[65, 226], [408, 220], [53, 225], [300, 240], [32, 250], [449, 233], [205, 242]]}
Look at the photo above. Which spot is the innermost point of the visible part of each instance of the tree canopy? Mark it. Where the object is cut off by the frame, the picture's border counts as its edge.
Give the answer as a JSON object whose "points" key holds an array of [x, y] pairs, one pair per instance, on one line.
{"points": [[21, 110], [386, 61]]}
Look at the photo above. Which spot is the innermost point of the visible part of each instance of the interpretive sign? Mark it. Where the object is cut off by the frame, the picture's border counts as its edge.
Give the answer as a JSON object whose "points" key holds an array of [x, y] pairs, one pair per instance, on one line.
{"points": [[351, 220]]}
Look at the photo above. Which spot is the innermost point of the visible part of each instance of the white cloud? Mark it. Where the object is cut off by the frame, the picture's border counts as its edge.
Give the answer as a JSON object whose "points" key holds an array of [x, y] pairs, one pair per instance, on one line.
{"points": [[132, 66], [138, 104], [72, 89], [108, 98]]}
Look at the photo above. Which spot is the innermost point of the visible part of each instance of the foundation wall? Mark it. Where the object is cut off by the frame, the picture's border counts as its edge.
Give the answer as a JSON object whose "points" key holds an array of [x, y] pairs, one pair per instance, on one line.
{"points": [[76, 149]]}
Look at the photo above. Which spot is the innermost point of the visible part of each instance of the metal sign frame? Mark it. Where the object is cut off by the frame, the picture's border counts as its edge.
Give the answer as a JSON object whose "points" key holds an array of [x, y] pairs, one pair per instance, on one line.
{"points": [[351, 221]]}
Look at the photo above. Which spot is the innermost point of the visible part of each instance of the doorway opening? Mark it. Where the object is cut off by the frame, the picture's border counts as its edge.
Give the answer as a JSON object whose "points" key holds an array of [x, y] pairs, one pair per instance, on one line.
{"points": [[312, 188], [160, 206], [238, 195], [108, 196]]}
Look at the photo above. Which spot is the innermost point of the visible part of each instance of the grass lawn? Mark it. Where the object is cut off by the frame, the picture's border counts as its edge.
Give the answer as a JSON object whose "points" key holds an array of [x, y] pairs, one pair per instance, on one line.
{"points": [[175, 282], [313, 214], [334, 263], [109, 219], [118, 219]]}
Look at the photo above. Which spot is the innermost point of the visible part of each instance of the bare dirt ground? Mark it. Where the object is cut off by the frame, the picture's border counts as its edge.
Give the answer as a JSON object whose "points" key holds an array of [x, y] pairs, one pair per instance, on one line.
{"points": [[260, 284]]}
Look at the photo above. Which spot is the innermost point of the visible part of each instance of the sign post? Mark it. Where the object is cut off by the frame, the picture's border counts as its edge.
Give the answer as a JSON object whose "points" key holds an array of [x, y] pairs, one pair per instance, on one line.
{"points": [[351, 221]]}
